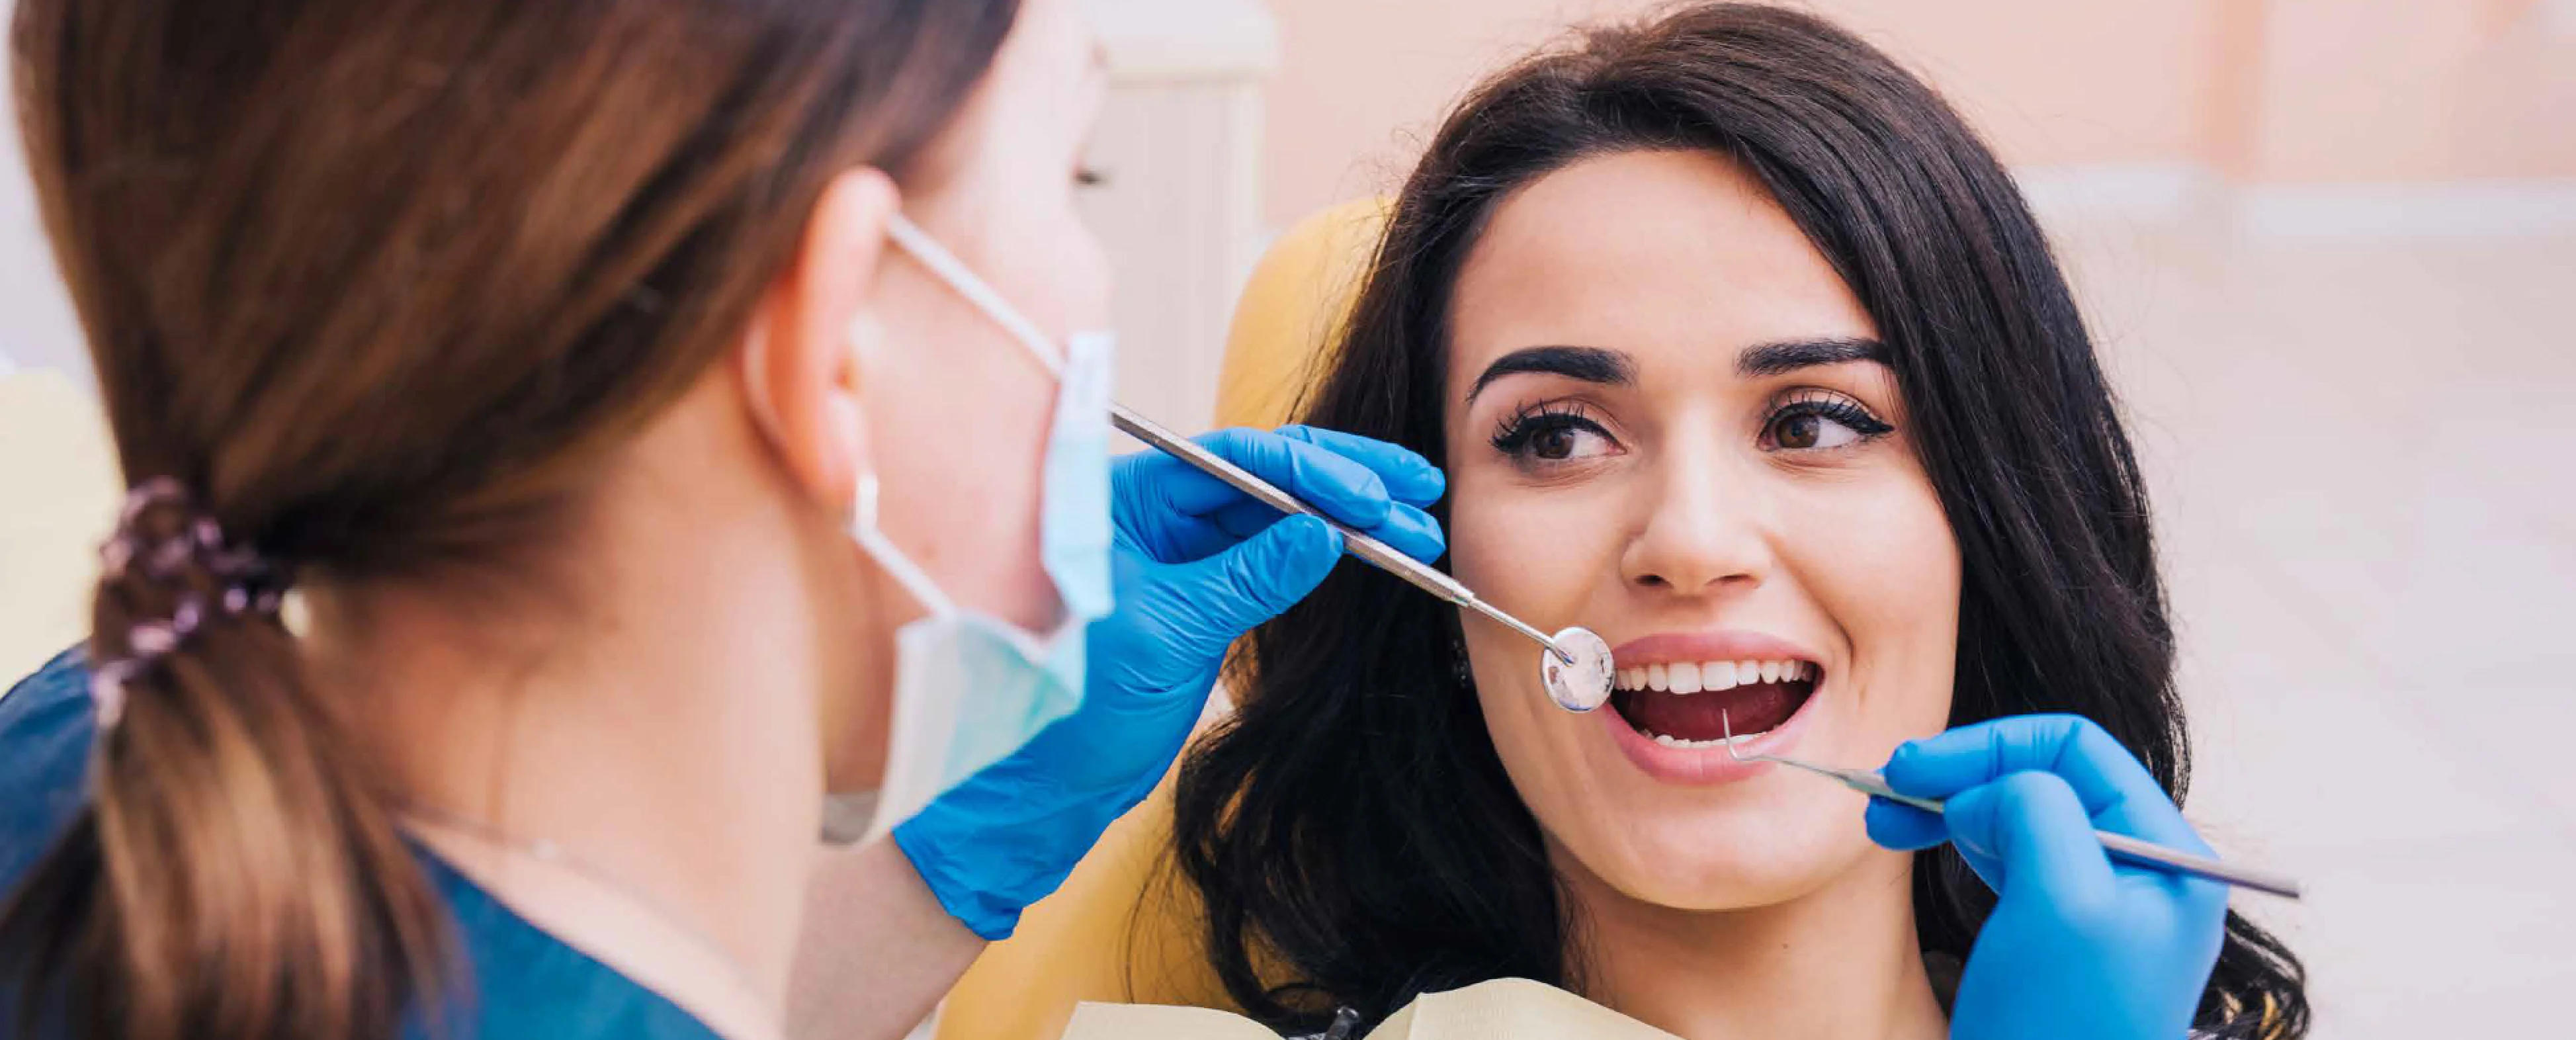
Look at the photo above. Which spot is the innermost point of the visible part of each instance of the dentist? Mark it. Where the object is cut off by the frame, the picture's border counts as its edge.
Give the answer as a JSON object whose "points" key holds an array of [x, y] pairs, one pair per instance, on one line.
{"points": [[669, 416]]}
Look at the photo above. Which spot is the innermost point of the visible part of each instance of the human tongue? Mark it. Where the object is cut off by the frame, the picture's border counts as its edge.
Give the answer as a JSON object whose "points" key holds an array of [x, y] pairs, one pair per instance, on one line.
{"points": [[1694, 716]]}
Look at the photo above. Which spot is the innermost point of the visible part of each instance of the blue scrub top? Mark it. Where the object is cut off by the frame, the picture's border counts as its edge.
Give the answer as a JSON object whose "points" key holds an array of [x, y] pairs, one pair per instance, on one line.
{"points": [[523, 982]]}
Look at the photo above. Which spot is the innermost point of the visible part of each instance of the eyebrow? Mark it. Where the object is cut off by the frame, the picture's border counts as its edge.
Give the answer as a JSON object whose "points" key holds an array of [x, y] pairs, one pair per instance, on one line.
{"points": [[1588, 364], [1784, 357], [1615, 368]]}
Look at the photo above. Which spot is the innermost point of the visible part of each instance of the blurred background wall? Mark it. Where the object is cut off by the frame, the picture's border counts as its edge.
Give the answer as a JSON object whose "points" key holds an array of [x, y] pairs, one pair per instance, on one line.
{"points": [[2415, 109]]}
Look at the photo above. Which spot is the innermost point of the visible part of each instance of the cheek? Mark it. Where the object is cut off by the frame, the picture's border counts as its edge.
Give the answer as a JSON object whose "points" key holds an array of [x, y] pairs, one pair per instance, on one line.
{"points": [[1549, 556], [1026, 236], [957, 432], [1086, 277], [1539, 554], [1051, 267], [1879, 558]]}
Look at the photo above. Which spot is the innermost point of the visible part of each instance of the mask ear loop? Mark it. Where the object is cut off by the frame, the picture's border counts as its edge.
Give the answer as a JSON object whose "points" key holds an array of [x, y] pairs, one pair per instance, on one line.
{"points": [[872, 539], [863, 525], [945, 264]]}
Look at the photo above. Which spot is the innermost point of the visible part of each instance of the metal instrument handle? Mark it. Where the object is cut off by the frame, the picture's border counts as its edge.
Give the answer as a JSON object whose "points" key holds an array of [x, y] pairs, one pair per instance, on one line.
{"points": [[1378, 554], [2120, 846]]}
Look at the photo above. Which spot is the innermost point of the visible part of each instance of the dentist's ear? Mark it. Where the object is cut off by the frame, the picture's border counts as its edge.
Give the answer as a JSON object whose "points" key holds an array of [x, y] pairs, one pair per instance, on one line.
{"points": [[801, 371]]}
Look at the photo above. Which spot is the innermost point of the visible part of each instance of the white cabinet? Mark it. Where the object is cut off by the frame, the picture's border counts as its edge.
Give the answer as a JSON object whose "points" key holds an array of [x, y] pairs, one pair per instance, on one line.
{"points": [[1180, 141]]}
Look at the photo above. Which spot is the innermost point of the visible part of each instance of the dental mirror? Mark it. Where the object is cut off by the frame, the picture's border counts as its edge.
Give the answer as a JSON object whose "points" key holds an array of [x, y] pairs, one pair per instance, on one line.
{"points": [[1577, 671]]}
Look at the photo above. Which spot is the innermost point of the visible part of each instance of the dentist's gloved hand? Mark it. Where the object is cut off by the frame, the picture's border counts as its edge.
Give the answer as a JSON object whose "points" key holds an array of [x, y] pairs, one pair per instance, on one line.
{"points": [[1196, 564], [2079, 947]]}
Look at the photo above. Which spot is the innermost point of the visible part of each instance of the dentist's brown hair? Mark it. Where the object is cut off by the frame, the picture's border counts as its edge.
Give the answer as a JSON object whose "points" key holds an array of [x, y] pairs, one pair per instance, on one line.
{"points": [[378, 283]]}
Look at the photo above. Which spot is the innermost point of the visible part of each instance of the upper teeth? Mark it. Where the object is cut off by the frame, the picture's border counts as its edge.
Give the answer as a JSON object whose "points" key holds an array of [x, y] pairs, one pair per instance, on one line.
{"points": [[1687, 677]]}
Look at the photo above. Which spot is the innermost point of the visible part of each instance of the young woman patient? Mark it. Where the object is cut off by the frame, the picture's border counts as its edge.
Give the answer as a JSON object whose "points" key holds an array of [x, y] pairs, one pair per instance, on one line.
{"points": [[1740, 349]]}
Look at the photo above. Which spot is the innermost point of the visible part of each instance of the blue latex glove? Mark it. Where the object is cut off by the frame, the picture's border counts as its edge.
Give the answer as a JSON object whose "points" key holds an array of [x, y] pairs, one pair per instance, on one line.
{"points": [[1197, 563], [2079, 947]]}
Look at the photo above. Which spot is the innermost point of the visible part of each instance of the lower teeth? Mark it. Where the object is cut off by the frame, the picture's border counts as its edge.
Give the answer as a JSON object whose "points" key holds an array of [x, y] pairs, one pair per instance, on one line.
{"points": [[1677, 742]]}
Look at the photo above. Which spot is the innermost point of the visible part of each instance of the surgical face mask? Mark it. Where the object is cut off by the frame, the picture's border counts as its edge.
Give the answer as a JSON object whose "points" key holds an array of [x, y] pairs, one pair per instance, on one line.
{"points": [[971, 688]]}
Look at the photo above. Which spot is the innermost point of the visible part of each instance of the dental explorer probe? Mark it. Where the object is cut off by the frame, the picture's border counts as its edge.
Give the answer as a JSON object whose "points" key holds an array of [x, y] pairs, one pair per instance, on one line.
{"points": [[1379, 554], [2121, 846]]}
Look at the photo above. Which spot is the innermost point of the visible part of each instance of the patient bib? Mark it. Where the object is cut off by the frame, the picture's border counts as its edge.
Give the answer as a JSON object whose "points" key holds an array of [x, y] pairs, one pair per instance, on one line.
{"points": [[1503, 1009]]}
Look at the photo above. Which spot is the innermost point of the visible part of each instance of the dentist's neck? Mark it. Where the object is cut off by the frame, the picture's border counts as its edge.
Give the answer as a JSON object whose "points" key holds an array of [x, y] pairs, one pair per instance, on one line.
{"points": [[623, 745], [1839, 964]]}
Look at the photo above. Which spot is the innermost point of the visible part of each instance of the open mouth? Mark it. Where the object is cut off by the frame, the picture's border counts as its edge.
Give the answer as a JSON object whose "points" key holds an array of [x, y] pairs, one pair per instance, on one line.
{"points": [[1679, 704]]}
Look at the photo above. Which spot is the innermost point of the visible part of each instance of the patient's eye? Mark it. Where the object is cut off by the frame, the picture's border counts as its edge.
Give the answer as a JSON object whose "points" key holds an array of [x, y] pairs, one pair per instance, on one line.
{"points": [[1552, 433], [1818, 420]]}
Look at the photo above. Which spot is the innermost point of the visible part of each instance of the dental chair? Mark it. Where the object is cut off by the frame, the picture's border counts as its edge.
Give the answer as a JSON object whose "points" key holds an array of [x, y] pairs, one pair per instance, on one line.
{"points": [[1124, 927]]}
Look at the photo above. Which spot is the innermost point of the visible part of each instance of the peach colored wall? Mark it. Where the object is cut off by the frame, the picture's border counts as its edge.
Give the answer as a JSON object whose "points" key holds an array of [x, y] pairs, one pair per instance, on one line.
{"points": [[1355, 75], [2051, 81], [2057, 82], [2269, 90], [2409, 90]]}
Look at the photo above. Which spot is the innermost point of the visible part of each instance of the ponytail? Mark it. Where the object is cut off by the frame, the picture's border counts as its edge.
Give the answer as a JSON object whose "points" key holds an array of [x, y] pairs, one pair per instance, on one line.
{"points": [[237, 873]]}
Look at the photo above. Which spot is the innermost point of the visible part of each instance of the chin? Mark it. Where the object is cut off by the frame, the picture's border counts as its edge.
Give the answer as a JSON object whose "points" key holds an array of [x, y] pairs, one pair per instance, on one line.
{"points": [[1720, 858], [1690, 828]]}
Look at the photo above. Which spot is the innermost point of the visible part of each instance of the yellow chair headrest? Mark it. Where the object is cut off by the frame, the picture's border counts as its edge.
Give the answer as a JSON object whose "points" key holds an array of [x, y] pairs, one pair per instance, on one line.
{"points": [[1116, 932], [1297, 299]]}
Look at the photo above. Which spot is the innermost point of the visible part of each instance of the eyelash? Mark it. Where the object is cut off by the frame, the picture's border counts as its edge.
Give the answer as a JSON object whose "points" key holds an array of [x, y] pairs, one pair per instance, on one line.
{"points": [[1829, 406], [1515, 433], [1089, 177]]}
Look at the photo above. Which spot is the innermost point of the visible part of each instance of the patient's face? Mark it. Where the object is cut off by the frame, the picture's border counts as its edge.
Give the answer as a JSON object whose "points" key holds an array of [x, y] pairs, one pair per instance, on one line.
{"points": [[1666, 424]]}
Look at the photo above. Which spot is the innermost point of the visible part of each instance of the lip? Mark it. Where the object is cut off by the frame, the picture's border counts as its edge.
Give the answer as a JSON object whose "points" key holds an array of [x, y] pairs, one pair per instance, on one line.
{"points": [[1726, 645], [1707, 766]]}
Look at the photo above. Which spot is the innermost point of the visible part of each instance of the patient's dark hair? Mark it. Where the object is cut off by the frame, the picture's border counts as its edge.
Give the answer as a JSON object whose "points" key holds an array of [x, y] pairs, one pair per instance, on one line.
{"points": [[1352, 832]]}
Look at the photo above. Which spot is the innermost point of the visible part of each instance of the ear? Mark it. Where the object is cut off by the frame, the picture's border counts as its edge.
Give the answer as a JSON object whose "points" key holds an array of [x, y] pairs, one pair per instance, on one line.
{"points": [[799, 367]]}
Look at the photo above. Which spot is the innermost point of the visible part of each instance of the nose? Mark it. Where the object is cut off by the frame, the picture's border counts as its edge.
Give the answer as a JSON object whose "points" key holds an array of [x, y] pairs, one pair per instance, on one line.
{"points": [[1707, 528]]}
